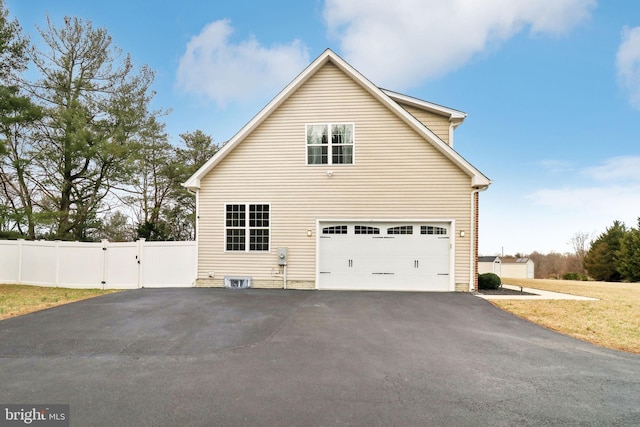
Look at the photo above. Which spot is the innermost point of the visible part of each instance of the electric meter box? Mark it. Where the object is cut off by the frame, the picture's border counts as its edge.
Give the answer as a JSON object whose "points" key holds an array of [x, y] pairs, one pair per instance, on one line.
{"points": [[282, 256]]}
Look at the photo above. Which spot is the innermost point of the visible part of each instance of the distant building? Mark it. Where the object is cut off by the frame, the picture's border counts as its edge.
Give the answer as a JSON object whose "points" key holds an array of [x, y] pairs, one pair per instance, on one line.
{"points": [[517, 268], [489, 264]]}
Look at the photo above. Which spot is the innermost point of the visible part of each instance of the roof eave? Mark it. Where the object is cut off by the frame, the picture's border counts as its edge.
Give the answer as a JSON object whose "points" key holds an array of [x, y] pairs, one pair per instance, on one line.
{"points": [[478, 179], [453, 115], [192, 184], [194, 180]]}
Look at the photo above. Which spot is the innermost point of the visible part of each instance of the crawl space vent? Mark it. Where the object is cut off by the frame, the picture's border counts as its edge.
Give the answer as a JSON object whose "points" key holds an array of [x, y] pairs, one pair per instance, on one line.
{"points": [[237, 282]]}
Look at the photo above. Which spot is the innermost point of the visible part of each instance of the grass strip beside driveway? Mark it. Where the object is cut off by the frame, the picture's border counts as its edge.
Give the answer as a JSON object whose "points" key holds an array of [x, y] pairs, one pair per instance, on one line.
{"points": [[613, 321], [16, 300]]}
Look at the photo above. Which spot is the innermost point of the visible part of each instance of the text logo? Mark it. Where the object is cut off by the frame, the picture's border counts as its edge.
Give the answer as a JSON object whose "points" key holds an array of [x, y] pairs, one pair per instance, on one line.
{"points": [[34, 415]]}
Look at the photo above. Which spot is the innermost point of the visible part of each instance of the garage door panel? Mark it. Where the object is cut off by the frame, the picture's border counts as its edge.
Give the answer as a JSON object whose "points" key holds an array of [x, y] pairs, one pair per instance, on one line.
{"points": [[435, 247], [394, 282], [412, 258]]}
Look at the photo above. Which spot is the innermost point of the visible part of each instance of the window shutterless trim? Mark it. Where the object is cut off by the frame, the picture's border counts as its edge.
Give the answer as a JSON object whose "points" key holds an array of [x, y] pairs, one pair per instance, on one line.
{"points": [[248, 228], [329, 144]]}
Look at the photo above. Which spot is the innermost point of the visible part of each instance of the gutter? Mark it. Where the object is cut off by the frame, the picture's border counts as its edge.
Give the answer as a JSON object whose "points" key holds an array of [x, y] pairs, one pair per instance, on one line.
{"points": [[473, 253]]}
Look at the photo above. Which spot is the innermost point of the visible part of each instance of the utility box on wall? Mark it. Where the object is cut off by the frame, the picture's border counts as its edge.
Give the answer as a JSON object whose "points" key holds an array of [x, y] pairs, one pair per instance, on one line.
{"points": [[282, 256]]}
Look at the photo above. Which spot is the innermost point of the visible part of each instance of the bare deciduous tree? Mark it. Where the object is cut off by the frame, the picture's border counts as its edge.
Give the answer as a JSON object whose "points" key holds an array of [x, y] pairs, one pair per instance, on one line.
{"points": [[580, 243]]}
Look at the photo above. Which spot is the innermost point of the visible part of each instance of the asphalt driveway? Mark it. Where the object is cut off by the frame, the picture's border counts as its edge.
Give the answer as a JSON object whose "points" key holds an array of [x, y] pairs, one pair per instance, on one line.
{"points": [[182, 357]]}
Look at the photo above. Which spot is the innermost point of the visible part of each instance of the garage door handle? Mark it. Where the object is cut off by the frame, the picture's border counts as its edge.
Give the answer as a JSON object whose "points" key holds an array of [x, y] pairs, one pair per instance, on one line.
{"points": [[384, 273]]}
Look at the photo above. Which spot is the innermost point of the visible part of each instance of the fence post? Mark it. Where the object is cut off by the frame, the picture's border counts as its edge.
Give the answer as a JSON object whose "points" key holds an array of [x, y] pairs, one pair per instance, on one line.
{"points": [[20, 242], [105, 261], [140, 260], [56, 246]]}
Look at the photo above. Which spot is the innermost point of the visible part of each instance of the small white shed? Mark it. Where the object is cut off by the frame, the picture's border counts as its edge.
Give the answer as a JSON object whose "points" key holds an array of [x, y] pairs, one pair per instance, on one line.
{"points": [[489, 264], [517, 268]]}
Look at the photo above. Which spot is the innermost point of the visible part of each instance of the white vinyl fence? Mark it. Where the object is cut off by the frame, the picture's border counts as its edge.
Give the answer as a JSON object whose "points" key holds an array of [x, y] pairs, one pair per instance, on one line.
{"points": [[103, 265]]}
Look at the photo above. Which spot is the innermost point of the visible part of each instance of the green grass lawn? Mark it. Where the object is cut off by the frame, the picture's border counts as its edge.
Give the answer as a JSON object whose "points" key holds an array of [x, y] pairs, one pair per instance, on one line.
{"points": [[22, 299], [613, 321]]}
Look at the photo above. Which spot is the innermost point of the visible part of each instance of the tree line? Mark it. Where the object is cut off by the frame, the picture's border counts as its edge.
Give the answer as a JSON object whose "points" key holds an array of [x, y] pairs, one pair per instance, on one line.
{"points": [[612, 256], [82, 154]]}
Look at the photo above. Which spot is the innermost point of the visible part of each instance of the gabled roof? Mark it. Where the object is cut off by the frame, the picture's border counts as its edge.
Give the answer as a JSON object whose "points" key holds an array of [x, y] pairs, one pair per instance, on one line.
{"points": [[478, 180], [514, 260], [489, 259], [450, 113]]}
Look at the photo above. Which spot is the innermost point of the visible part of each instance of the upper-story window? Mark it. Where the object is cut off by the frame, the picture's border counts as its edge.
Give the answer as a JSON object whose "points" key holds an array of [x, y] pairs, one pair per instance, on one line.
{"points": [[330, 144]]}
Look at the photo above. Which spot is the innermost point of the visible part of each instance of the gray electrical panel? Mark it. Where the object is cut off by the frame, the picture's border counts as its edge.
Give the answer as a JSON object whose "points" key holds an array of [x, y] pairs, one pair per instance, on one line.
{"points": [[282, 256]]}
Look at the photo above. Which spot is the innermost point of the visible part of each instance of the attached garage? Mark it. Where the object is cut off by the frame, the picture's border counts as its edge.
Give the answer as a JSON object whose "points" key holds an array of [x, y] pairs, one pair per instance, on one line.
{"points": [[402, 256]]}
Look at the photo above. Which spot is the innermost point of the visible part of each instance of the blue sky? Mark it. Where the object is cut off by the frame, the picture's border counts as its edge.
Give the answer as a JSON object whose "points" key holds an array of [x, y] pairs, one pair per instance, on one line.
{"points": [[551, 87]]}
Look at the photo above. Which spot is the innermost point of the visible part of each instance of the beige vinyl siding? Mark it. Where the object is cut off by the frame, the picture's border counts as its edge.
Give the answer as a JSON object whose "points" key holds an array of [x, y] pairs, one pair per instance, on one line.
{"points": [[437, 123], [396, 175]]}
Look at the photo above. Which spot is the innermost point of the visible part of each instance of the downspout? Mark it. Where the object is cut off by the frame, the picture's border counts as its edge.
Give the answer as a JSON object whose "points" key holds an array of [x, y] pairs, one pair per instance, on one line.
{"points": [[473, 253], [453, 124], [197, 230]]}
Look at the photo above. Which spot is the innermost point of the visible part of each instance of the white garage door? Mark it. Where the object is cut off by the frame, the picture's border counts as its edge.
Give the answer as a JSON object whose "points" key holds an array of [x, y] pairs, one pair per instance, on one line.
{"points": [[384, 256]]}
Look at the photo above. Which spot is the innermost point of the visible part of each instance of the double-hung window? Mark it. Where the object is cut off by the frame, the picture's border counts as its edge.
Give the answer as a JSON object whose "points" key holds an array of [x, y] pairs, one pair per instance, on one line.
{"points": [[330, 144], [247, 227]]}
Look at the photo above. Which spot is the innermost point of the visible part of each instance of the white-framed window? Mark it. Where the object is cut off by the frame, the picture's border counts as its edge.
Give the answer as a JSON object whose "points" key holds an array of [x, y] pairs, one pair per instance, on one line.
{"points": [[400, 229], [247, 227], [330, 143], [365, 229], [429, 229], [335, 229]]}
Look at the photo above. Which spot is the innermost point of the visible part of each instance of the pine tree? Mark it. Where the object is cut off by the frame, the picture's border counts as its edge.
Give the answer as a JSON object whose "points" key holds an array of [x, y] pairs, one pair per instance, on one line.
{"points": [[628, 256], [17, 116], [600, 260], [95, 103]]}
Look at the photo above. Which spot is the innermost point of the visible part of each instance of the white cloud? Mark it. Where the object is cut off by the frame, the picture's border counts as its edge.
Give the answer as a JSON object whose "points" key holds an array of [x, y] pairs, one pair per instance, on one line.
{"points": [[402, 42], [546, 218], [619, 169], [610, 189], [610, 201], [217, 69], [557, 166], [628, 64]]}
